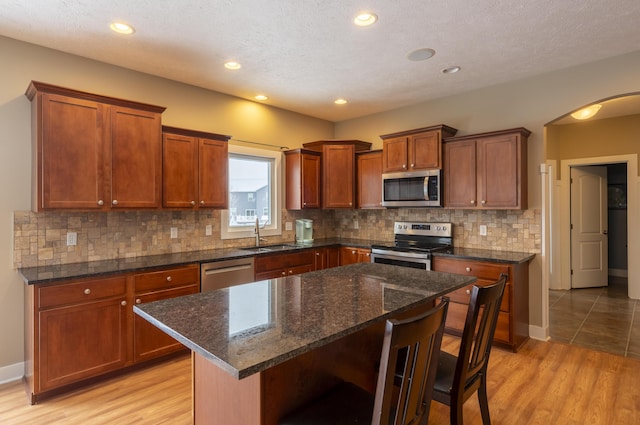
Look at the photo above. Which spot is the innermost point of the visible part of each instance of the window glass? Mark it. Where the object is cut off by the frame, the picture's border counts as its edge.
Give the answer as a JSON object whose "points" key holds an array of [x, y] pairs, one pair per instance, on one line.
{"points": [[254, 179]]}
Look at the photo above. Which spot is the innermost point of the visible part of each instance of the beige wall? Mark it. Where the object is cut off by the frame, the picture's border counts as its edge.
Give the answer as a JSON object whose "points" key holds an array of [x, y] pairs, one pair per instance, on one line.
{"points": [[592, 139], [529, 103]]}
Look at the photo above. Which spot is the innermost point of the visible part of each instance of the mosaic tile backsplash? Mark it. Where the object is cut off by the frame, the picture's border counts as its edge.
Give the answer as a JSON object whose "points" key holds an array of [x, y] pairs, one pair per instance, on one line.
{"points": [[40, 238]]}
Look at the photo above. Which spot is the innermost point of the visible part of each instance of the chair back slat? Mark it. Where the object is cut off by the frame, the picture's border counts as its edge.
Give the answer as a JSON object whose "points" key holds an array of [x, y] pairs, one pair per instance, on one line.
{"points": [[415, 343]]}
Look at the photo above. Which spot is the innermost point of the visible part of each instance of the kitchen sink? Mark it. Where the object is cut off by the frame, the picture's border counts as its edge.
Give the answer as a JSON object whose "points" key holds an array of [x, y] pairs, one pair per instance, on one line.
{"points": [[270, 248]]}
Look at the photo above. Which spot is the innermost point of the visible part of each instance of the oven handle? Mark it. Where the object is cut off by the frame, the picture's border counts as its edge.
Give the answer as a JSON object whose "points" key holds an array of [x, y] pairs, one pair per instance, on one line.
{"points": [[394, 254]]}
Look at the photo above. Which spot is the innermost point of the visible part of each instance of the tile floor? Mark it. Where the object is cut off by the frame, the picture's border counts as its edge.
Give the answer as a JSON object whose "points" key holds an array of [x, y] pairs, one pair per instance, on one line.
{"points": [[603, 319]]}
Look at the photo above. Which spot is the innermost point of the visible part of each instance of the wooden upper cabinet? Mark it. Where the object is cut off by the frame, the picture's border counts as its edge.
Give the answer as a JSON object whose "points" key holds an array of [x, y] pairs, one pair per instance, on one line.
{"points": [[338, 170], [487, 170], [136, 158], [195, 169], [302, 179], [93, 152], [338, 176], [417, 149], [68, 161], [369, 175]]}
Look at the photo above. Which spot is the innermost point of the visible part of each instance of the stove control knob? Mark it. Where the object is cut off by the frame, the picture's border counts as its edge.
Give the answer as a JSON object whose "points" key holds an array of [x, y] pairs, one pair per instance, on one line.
{"points": [[405, 226], [444, 228]]}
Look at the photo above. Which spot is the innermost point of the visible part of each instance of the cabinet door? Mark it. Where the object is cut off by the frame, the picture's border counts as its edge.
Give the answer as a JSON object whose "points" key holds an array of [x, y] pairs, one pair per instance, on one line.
{"points": [[460, 174], [326, 258], [179, 171], [310, 181], [71, 143], [81, 341], [395, 154], [136, 158], [425, 151], [148, 340], [214, 173], [338, 176], [369, 168], [499, 172]]}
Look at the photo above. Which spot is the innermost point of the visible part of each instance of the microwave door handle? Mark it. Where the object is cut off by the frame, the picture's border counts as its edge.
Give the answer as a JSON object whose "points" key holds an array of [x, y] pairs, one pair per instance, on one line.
{"points": [[425, 188]]}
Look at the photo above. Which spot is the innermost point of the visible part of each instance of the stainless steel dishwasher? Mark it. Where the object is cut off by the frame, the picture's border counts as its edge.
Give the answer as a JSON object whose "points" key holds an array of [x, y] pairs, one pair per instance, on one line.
{"points": [[225, 273]]}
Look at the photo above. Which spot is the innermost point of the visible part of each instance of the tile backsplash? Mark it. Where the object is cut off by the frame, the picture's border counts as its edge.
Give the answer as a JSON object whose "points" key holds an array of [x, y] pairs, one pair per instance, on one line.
{"points": [[40, 238]]}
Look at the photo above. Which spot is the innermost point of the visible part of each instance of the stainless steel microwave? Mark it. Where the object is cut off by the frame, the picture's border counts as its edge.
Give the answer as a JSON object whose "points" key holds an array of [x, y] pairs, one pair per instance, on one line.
{"points": [[412, 189]]}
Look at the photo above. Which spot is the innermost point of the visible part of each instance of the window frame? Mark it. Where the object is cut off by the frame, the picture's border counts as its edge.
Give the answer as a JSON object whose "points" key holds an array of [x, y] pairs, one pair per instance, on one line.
{"points": [[276, 182]]}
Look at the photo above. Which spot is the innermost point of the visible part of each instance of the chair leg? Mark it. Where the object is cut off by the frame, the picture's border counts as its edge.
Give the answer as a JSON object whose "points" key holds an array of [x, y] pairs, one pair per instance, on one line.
{"points": [[455, 412], [483, 401]]}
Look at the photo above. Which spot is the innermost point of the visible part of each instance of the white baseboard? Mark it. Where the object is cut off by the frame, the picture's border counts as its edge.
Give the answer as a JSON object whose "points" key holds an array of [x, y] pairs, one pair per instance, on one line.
{"points": [[619, 272], [11, 373], [539, 333]]}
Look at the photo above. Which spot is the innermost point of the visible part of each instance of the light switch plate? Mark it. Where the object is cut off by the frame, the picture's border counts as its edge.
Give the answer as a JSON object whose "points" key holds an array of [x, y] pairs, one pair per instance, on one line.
{"points": [[208, 230], [288, 225], [483, 230], [356, 225], [174, 232]]}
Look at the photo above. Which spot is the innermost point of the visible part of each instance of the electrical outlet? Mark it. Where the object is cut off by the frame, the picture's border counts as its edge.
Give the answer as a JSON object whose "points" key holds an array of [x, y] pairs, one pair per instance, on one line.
{"points": [[72, 238], [356, 225], [483, 230], [288, 225], [174, 232], [208, 230]]}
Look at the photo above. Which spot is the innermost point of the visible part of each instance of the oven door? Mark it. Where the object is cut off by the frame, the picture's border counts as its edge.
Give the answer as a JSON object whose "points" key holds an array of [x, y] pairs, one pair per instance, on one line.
{"points": [[404, 259]]}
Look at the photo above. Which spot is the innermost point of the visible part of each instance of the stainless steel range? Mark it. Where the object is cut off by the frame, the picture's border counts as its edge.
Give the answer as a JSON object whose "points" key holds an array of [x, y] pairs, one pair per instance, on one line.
{"points": [[413, 244]]}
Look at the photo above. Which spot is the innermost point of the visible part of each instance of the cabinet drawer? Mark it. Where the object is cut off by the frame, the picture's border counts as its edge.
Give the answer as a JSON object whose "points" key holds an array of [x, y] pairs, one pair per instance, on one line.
{"points": [[283, 261], [481, 270], [81, 292], [463, 295], [457, 313], [166, 278]]}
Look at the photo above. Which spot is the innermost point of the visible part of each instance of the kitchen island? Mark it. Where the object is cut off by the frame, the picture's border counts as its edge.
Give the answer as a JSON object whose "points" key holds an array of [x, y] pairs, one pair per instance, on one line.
{"points": [[261, 349]]}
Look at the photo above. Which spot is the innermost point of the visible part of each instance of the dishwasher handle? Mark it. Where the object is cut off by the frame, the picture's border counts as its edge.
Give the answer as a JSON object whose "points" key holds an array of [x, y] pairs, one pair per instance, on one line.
{"points": [[227, 269]]}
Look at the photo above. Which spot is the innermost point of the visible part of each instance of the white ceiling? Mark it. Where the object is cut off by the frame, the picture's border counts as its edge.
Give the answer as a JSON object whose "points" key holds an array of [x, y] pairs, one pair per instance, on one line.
{"points": [[303, 54]]}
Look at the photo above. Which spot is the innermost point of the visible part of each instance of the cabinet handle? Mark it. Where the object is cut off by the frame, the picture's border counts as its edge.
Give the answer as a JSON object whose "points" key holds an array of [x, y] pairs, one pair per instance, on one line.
{"points": [[284, 273], [193, 203], [201, 202], [468, 291], [483, 202], [138, 301], [87, 291], [404, 166], [353, 252], [368, 254], [114, 202], [101, 202], [317, 254], [290, 271], [123, 303], [304, 204], [169, 278], [468, 269], [473, 201], [413, 165], [350, 204]]}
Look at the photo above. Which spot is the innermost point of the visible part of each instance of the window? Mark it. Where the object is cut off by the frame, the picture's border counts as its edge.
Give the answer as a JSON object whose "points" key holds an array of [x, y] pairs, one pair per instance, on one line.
{"points": [[254, 186]]}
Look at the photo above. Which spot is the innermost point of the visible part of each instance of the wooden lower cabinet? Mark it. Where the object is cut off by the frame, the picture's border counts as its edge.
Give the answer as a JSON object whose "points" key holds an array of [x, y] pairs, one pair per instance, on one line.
{"points": [[280, 265], [149, 341], [512, 329], [326, 257], [84, 328], [351, 255]]}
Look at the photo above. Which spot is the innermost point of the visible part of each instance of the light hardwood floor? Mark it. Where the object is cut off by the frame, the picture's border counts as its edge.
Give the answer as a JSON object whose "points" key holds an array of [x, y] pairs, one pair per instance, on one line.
{"points": [[544, 383]]}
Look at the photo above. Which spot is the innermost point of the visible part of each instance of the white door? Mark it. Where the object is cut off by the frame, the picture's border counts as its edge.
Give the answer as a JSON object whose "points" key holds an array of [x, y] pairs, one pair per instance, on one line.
{"points": [[589, 261]]}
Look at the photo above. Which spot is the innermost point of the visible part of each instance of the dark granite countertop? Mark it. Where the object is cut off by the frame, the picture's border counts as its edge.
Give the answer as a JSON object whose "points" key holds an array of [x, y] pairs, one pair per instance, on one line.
{"points": [[293, 315], [510, 257], [48, 274]]}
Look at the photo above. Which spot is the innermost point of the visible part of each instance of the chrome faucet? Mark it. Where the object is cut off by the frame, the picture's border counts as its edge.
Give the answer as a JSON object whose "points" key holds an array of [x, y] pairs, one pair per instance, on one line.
{"points": [[257, 232]]}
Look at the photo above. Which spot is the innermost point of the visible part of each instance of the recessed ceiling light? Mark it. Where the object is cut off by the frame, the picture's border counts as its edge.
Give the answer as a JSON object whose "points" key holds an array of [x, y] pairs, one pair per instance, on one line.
{"points": [[340, 101], [451, 70], [233, 65], [260, 97], [122, 28], [365, 19], [421, 55], [586, 113]]}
